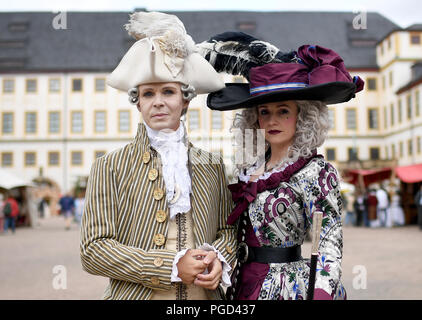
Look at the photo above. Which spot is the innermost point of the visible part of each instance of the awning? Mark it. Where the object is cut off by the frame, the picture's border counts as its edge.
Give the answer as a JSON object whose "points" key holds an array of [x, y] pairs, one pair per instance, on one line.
{"points": [[9, 181], [410, 174], [369, 176]]}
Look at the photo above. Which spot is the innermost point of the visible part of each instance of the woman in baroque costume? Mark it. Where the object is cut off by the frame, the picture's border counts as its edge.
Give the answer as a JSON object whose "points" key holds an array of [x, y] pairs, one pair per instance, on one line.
{"points": [[155, 213], [278, 192]]}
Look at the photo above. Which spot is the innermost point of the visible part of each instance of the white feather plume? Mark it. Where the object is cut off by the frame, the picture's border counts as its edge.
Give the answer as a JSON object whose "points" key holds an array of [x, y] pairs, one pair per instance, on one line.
{"points": [[169, 28]]}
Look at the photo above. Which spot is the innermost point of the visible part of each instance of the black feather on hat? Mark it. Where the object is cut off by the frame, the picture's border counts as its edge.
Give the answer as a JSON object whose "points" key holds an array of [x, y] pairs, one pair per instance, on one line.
{"points": [[310, 73], [237, 52]]}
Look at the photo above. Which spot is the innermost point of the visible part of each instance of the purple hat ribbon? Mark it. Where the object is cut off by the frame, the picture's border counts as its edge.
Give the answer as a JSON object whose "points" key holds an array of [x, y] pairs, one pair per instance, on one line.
{"points": [[325, 65]]}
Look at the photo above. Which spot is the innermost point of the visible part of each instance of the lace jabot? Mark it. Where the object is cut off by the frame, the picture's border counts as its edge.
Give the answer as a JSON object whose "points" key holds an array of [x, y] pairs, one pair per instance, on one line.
{"points": [[172, 147]]}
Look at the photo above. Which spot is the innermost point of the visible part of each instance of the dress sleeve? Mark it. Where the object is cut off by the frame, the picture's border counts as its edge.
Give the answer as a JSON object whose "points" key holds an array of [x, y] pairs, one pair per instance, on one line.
{"points": [[101, 252], [323, 195]]}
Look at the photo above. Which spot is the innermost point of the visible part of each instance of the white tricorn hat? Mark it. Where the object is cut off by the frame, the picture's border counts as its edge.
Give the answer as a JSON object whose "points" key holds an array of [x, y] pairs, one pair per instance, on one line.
{"points": [[163, 52]]}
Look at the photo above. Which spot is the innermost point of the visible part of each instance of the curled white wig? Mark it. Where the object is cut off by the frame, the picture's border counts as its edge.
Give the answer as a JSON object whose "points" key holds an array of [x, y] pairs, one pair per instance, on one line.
{"points": [[311, 129]]}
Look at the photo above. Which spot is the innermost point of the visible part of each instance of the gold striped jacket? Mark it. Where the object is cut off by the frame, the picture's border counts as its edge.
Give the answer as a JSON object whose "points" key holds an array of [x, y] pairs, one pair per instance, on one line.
{"points": [[125, 220]]}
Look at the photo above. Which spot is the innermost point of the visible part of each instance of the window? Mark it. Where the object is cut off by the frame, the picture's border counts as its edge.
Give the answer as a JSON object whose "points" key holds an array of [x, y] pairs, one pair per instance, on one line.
{"points": [[100, 121], [7, 123], [410, 147], [331, 119], [390, 78], [217, 120], [6, 159], [401, 149], [385, 118], [415, 38], [54, 122], [352, 154], [399, 109], [393, 151], [392, 114], [372, 84], [18, 26], [246, 26], [383, 82], [409, 107], [373, 118], [124, 120], [77, 122], [330, 154], [417, 104], [76, 158], [30, 122], [351, 119], [53, 158], [100, 85], [374, 153], [30, 159], [8, 85], [98, 154], [54, 85], [418, 144], [31, 85], [77, 85], [12, 44], [193, 119]]}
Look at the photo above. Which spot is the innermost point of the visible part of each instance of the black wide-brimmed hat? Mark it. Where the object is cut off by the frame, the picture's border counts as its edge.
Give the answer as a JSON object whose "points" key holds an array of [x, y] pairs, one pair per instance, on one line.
{"points": [[310, 73]]}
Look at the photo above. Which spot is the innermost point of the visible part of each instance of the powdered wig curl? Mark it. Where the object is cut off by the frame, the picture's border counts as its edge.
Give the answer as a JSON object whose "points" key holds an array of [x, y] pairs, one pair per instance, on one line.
{"points": [[311, 129]]}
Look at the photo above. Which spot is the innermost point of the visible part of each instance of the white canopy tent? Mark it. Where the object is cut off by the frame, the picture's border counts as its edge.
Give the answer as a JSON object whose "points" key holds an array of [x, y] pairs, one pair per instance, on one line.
{"points": [[9, 180]]}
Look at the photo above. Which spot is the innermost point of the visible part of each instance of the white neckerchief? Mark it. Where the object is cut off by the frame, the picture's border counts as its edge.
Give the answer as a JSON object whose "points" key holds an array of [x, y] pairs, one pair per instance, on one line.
{"points": [[174, 157]]}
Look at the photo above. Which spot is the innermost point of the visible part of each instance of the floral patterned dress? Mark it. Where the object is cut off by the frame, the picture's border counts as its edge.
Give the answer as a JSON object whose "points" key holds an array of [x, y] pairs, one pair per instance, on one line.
{"points": [[280, 214]]}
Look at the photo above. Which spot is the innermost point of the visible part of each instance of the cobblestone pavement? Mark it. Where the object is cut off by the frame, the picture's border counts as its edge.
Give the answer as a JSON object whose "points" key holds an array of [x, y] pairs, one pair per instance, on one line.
{"points": [[43, 263]]}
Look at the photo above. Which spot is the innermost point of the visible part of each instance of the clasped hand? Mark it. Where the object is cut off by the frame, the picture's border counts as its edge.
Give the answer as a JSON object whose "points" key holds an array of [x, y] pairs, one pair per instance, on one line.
{"points": [[192, 265]]}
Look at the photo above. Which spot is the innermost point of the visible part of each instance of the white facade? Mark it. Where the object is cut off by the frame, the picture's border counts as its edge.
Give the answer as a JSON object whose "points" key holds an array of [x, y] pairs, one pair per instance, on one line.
{"points": [[58, 130], [394, 131], [68, 119]]}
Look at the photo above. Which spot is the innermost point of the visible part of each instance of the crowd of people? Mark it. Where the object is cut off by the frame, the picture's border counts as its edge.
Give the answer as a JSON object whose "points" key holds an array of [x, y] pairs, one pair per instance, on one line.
{"points": [[373, 207], [13, 211]]}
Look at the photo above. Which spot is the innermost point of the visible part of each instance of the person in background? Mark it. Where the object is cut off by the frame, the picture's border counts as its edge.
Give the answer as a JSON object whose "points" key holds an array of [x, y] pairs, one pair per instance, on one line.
{"points": [[372, 204], [395, 211], [1, 213], [79, 207], [10, 212], [418, 203], [67, 207], [350, 214], [382, 206], [360, 206]]}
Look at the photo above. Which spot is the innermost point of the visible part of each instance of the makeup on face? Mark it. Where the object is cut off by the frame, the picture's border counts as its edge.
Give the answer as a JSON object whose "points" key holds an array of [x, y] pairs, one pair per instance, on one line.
{"points": [[279, 121], [161, 105]]}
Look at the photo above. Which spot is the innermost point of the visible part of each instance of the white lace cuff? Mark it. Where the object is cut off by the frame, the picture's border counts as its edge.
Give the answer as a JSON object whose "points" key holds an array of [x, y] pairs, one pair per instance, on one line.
{"points": [[225, 278]]}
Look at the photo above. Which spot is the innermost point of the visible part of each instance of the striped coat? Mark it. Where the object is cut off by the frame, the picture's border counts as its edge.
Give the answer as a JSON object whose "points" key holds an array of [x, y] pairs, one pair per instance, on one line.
{"points": [[125, 220]]}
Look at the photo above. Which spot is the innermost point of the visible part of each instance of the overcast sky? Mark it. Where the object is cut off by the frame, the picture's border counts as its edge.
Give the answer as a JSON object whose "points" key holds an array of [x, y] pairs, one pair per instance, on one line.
{"points": [[402, 12]]}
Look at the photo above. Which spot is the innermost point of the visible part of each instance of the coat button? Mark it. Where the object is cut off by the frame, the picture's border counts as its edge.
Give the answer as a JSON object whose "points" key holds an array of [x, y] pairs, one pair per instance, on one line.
{"points": [[155, 281], [158, 262], [146, 157], [158, 194], [152, 174], [159, 239], [161, 216]]}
